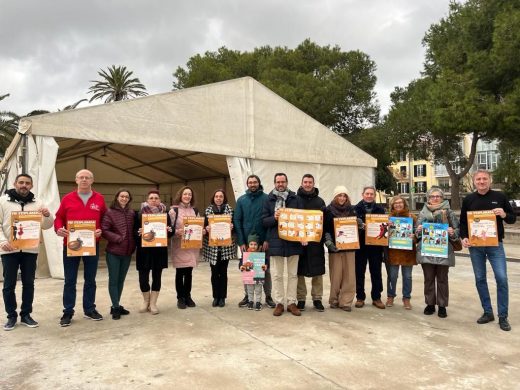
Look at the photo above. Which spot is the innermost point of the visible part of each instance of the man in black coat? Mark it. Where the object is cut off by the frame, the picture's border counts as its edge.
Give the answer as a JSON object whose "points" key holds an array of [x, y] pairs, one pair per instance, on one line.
{"points": [[312, 260], [282, 251]]}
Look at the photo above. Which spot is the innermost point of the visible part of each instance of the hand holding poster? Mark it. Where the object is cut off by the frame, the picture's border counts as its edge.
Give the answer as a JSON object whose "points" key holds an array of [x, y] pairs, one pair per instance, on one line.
{"points": [[434, 240], [192, 234], [346, 233], [82, 238], [482, 228], [253, 263], [25, 229], [400, 230], [300, 225], [376, 229], [154, 232], [220, 230]]}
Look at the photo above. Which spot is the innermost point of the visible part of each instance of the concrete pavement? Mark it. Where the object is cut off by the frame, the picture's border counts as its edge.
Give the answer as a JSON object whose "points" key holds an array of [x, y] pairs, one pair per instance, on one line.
{"points": [[228, 348]]}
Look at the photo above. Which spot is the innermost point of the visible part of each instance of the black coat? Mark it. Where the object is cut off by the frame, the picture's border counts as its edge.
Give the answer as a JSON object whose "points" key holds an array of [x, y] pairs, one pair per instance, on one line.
{"points": [[312, 259], [361, 213], [328, 224], [277, 246]]}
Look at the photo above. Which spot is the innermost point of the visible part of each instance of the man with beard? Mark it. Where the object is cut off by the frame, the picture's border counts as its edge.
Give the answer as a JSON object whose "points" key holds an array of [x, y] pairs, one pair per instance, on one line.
{"points": [[312, 261], [19, 198], [247, 219]]}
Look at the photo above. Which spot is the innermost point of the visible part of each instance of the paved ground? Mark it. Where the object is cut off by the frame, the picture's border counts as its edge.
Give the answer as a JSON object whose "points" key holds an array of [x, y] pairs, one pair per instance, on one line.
{"points": [[224, 348]]}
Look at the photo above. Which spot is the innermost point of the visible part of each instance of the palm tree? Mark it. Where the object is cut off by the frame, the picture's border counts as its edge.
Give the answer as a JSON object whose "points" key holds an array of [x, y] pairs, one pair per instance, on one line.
{"points": [[116, 84], [8, 127]]}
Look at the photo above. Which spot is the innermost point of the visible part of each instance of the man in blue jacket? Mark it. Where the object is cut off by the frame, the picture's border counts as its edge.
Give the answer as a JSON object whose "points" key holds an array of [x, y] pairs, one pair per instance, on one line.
{"points": [[247, 219], [282, 251]]}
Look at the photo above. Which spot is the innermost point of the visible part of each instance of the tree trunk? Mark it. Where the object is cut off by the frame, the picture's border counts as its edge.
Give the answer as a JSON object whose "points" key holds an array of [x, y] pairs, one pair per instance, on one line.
{"points": [[455, 192]]}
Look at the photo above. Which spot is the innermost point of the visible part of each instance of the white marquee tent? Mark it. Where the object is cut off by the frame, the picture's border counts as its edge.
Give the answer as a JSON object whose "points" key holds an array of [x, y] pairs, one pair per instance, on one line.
{"points": [[210, 137]]}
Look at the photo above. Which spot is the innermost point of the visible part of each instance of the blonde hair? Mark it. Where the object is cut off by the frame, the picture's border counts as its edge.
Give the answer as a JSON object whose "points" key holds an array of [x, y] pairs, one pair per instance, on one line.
{"points": [[396, 198]]}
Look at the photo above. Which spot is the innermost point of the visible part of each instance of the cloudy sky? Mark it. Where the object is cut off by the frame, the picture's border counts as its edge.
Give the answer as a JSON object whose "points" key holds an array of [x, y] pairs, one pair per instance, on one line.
{"points": [[50, 50]]}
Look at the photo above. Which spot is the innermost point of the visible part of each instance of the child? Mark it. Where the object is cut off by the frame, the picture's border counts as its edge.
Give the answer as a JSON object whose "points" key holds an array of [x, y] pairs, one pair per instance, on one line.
{"points": [[254, 290]]}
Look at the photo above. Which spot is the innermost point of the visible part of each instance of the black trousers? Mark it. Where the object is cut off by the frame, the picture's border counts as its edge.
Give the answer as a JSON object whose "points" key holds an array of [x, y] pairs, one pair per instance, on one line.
{"points": [[144, 279], [372, 255], [183, 278], [11, 262], [219, 279]]}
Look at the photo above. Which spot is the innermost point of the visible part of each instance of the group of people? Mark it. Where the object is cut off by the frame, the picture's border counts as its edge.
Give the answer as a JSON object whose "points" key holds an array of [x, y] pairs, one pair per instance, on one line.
{"points": [[288, 266]]}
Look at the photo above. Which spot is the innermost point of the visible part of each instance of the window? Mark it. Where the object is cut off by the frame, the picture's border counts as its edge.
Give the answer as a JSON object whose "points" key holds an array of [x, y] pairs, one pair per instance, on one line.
{"points": [[419, 170], [444, 184], [402, 156], [420, 186], [487, 160], [402, 170], [402, 188]]}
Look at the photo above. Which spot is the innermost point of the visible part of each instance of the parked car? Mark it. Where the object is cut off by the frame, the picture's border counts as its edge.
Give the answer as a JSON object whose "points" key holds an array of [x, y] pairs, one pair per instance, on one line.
{"points": [[516, 206]]}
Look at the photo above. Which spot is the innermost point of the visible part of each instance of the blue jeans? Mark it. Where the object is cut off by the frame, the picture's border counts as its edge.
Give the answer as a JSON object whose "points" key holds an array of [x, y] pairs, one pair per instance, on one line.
{"points": [[497, 259], [393, 274], [70, 268], [26, 262]]}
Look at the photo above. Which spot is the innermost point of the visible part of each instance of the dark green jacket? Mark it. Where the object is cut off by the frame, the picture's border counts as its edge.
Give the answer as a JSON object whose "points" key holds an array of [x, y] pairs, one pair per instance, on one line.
{"points": [[248, 216]]}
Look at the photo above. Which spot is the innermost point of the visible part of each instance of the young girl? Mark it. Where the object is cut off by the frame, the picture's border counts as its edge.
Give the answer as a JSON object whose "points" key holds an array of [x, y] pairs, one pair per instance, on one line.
{"points": [[254, 290]]}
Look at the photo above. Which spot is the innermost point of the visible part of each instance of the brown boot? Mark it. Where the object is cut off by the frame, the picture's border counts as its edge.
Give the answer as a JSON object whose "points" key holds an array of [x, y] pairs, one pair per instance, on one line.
{"points": [[359, 303], [406, 303], [389, 301], [293, 309], [379, 304], [145, 306], [278, 310], [153, 302]]}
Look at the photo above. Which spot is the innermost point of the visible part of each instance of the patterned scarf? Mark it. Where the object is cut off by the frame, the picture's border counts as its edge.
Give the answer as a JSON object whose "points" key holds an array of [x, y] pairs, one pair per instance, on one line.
{"points": [[147, 209], [281, 197], [433, 212]]}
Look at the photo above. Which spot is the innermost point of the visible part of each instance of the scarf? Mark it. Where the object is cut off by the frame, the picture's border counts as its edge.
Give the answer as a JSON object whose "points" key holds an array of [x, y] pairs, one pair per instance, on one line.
{"points": [[338, 210], [23, 200], [402, 213], [433, 212], [147, 209], [368, 207], [281, 197]]}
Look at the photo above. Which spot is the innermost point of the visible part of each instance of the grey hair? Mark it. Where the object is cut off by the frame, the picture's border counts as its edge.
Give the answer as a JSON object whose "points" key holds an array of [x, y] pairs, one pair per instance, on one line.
{"points": [[368, 188], [435, 189]]}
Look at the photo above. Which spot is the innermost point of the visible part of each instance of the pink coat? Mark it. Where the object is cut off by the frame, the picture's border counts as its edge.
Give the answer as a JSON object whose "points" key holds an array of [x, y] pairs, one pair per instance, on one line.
{"points": [[182, 258]]}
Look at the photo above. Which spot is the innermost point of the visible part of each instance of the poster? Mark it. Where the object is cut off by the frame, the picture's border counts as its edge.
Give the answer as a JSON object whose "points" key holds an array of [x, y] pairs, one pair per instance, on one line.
{"points": [[154, 233], [25, 229], [376, 229], [300, 225], [193, 232], [482, 228], [434, 239], [220, 230], [82, 238], [399, 230], [253, 262], [346, 233]]}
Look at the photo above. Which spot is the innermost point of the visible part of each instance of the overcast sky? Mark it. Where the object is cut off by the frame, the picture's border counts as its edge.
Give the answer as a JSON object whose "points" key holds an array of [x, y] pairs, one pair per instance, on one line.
{"points": [[50, 50]]}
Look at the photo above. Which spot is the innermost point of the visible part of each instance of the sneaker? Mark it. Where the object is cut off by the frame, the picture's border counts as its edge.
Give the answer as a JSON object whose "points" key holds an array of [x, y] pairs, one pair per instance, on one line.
{"points": [[377, 303], [504, 324], [93, 315], [485, 318], [301, 305], [28, 321], [442, 312], [243, 302], [269, 302], [10, 324], [123, 311], [66, 320], [190, 303], [181, 304], [389, 301], [360, 303], [429, 310], [258, 306], [318, 305], [250, 305], [116, 313], [293, 309]]}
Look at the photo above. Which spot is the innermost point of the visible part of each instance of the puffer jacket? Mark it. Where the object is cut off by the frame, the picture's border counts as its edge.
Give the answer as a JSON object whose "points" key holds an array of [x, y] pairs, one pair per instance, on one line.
{"points": [[117, 228]]}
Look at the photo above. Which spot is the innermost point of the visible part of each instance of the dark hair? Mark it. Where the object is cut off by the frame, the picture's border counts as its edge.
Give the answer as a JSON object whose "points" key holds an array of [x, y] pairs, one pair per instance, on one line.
{"points": [[23, 175], [115, 202], [153, 191], [178, 196], [308, 175], [212, 200], [280, 174], [254, 176]]}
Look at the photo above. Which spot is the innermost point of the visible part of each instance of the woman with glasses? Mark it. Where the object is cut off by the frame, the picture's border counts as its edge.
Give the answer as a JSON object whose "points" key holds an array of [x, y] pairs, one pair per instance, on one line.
{"points": [[435, 269]]}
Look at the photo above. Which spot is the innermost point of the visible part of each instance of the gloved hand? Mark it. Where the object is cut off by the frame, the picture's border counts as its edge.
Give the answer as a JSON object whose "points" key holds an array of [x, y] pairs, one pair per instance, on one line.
{"points": [[330, 246]]}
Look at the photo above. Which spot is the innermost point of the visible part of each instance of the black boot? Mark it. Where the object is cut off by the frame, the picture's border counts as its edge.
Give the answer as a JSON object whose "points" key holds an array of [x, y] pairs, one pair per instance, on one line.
{"points": [[116, 314]]}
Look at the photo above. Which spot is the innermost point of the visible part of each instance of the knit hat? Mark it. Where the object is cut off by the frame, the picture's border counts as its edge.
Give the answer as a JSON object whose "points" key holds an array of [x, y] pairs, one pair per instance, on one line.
{"points": [[253, 237], [339, 190]]}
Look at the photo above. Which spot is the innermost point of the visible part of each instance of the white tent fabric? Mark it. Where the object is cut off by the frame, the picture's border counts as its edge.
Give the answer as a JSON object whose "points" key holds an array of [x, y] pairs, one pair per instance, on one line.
{"points": [[238, 123]]}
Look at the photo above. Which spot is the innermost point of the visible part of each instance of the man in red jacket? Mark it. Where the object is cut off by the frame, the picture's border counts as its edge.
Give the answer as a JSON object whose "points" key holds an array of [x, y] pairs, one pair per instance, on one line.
{"points": [[82, 204]]}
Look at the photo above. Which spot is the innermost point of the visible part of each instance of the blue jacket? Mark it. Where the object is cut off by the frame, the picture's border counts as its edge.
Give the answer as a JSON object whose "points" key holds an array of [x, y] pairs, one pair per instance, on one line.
{"points": [[248, 216]]}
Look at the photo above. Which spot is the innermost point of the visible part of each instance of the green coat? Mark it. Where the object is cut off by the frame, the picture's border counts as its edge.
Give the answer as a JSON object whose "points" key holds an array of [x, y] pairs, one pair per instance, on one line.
{"points": [[248, 216]]}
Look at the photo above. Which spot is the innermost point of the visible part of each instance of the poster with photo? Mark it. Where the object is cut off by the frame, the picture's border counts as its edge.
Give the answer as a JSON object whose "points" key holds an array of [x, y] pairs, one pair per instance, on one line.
{"points": [[376, 229], [346, 233], [220, 230], [253, 261], [82, 238], [192, 233], [25, 229], [482, 228], [300, 225], [399, 231], [434, 239], [154, 233]]}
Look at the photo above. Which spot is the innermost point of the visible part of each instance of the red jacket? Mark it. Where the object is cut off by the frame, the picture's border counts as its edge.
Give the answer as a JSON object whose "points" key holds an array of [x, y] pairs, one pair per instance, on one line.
{"points": [[73, 209]]}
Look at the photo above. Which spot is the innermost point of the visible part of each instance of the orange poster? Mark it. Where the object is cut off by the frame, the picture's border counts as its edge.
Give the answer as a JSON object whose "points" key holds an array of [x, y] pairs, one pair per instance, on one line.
{"points": [[154, 233], [300, 225], [346, 233], [82, 238], [376, 229], [220, 230], [25, 229], [193, 232], [482, 228]]}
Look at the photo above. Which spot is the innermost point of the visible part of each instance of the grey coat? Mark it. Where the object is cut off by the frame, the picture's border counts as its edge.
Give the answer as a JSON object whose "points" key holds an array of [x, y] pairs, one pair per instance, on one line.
{"points": [[436, 217]]}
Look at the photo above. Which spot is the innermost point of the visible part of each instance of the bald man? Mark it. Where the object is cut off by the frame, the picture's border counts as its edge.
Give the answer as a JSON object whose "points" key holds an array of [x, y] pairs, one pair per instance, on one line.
{"points": [[81, 204]]}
